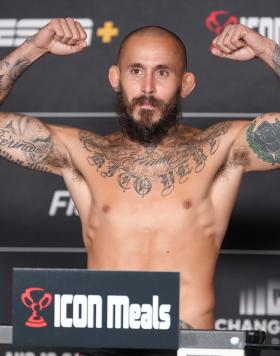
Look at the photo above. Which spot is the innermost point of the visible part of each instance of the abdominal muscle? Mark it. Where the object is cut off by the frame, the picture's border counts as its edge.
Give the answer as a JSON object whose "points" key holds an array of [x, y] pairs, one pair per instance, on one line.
{"points": [[191, 251]]}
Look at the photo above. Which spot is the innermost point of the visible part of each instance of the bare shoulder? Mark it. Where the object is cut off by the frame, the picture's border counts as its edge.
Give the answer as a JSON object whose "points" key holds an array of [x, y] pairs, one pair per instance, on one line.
{"points": [[228, 129], [225, 135], [92, 141], [77, 141], [219, 141], [222, 132]]}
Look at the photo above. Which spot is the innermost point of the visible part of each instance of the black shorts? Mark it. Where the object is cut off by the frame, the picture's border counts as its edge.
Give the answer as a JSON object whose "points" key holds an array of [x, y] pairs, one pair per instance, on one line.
{"points": [[129, 352]]}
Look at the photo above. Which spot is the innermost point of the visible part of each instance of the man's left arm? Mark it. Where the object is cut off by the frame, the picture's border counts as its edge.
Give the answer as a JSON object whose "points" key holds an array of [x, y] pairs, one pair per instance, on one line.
{"points": [[258, 141]]}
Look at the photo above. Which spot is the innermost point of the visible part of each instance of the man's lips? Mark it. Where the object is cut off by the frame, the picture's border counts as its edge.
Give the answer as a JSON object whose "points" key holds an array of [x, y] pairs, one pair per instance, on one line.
{"points": [[147, 105]]}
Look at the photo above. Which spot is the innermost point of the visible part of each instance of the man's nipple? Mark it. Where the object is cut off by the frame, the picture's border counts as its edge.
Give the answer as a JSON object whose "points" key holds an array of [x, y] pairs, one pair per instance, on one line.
{"points": [[106, 208], [187, 204]]}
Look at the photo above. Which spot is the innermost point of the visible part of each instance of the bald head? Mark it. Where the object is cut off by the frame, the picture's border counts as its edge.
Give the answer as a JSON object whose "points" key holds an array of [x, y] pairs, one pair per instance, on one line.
{"points": [[155, 31]]}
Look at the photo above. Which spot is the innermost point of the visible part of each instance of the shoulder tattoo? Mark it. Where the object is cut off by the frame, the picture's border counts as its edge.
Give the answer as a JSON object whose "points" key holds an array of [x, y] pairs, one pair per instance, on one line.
{"points": [[264, 140]]}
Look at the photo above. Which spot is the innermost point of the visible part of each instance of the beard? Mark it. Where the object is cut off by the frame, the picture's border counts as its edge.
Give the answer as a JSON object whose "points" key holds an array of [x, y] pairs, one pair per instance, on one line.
{"points": [[144, 130]]}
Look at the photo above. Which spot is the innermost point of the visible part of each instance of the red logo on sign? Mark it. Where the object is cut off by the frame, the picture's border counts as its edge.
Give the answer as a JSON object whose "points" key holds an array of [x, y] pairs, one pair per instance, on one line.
{"points": [[36, 299], [218, 20]]}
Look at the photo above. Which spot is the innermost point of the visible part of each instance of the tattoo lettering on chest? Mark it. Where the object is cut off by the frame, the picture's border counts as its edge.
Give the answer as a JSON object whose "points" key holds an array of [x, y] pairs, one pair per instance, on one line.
{"points": [[139, 169]]}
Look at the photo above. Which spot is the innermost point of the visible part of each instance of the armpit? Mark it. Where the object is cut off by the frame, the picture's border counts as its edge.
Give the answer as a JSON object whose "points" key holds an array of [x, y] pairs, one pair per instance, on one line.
{"points": [[57, 159], [239, 157]]}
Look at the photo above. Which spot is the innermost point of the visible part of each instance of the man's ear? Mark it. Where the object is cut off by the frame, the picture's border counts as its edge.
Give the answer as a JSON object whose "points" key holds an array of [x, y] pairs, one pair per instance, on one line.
{"points": [[188, 84], [114, 77]]}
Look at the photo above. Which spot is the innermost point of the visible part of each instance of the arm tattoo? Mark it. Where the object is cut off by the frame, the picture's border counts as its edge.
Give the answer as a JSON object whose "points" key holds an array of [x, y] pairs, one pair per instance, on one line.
{"points": [[29, 138], [276, 60], [36, 167], [30, 39], [265, 140], [139, 169], [9, 73]]}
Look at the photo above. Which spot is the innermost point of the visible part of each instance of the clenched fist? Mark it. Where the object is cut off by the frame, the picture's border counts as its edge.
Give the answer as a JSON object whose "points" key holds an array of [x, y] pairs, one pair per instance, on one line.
{"points": [[241, 43], [61, 37]]}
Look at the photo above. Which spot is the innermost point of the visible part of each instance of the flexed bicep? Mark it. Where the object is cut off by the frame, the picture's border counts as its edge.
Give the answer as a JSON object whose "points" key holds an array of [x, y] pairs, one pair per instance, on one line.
{"points": [[259, 142], [28, 142]]}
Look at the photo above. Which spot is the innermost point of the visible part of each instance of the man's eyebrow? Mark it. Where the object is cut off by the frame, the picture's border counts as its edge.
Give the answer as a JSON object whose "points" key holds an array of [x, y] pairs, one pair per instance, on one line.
{"points": [[136, 65], [159, 66], [163, 66]]}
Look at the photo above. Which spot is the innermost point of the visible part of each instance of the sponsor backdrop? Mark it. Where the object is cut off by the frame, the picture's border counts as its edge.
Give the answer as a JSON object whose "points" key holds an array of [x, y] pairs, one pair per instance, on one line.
{"points": [[39, 227]]}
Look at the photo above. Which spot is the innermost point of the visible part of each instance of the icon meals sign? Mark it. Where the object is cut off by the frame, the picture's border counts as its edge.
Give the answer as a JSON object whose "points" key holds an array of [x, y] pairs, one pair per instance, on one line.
{"points": [[92, 309]]}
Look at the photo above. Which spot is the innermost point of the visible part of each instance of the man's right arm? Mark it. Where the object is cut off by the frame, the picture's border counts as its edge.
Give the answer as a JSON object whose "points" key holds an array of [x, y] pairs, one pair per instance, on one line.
{"points": [[59, 36], [12, 66], [26, 140]]}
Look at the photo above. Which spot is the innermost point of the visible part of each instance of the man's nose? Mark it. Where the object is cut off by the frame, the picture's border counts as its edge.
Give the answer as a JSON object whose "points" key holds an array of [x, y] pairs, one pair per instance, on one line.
{"points": [[148, 86]]}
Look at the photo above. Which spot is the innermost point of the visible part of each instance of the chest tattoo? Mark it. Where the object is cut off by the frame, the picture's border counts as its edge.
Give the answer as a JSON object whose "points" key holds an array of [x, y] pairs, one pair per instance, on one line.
{"points": [[140, 168]]}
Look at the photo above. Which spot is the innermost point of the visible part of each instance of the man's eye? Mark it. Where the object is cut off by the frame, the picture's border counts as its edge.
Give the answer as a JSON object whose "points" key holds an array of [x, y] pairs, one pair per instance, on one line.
{"points": [[162, 73], [136, 71]]}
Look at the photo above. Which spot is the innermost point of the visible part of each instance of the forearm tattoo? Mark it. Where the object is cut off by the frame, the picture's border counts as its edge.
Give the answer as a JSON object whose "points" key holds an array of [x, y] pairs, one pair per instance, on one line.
{"points": [[265, 140], [9, 72], [26, 141], [276, 60], [139, 169]]}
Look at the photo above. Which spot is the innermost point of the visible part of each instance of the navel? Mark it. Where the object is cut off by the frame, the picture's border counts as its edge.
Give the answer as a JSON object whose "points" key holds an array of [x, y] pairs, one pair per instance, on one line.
{"points": [[106, 208], [187, 204]]}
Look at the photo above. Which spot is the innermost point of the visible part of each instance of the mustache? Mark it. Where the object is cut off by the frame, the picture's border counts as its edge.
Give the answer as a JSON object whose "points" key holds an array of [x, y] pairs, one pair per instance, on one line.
{"points": [[151, 100]]}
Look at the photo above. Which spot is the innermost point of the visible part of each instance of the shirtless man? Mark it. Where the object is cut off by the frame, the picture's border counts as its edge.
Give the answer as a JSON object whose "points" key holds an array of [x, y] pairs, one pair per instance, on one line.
{"points": [[158, 195]]}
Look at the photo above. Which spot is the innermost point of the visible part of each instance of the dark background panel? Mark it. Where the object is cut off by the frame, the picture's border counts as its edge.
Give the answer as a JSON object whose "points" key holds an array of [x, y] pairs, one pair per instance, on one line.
{"points": [[79, 84], [237, 272], [8, 261], [244, 275]]}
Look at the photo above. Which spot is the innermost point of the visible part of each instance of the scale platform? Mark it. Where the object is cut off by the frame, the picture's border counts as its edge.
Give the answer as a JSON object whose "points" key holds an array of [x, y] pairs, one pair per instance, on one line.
{"points": [[200, 342]]}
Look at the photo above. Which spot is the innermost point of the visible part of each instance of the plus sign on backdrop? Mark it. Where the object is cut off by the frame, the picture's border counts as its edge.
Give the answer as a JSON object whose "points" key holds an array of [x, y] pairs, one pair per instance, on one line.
{"points": [[107, 32]]}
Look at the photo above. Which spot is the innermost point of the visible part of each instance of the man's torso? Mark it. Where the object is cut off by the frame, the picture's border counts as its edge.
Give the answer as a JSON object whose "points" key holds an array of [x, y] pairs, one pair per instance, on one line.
{"points": [[160, 208]]}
